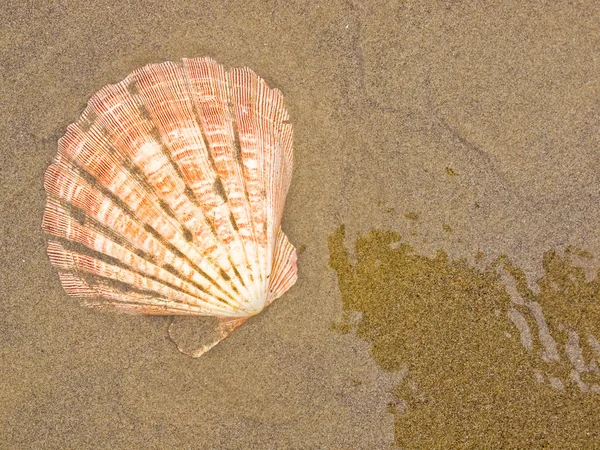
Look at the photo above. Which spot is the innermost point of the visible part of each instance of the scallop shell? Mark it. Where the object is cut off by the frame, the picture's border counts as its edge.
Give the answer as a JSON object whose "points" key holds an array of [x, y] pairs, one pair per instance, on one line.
{"points": [[166, 196]]}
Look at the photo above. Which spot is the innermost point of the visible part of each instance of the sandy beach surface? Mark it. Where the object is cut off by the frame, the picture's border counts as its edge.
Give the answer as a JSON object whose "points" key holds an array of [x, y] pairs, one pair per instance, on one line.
{"points": [[445, 196]]}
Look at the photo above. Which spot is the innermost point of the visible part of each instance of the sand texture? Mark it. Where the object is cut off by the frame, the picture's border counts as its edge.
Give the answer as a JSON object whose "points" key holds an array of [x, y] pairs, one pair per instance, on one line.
{"points": [[445, 199]]}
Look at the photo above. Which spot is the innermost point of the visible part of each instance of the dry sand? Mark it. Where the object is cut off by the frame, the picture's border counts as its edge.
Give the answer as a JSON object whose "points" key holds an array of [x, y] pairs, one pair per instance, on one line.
{"points": [[467, 129]]}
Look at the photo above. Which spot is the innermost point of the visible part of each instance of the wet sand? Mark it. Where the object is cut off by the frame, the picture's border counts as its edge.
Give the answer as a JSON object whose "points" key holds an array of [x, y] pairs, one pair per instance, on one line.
{"points": [[467, 130]]}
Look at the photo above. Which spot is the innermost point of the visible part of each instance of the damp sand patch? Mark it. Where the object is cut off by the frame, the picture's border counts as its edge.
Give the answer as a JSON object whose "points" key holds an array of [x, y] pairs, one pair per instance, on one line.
{"points": [[471, 381]]}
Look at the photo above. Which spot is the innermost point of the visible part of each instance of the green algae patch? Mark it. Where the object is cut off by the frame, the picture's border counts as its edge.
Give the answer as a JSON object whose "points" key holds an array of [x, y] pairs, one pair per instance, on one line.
{"points": [[470, 382]]}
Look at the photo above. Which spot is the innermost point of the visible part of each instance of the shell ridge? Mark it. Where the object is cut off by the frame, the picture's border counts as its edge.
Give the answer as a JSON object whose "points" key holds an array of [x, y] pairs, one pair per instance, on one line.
{"points": [[95, 294], [68, 260], [274, 175], [267, 111], [59, 224], [117, 131], [285, 271], [184, 145], [102, 166], [239, 158], [208, 84], [93, 202], [266, 165], [242, 86], [102, 118], [133, 302], [245, 275]]}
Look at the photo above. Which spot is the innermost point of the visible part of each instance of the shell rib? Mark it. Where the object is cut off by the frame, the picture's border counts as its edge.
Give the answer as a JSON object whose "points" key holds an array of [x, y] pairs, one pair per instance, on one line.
{"points": [[166, 197]]}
